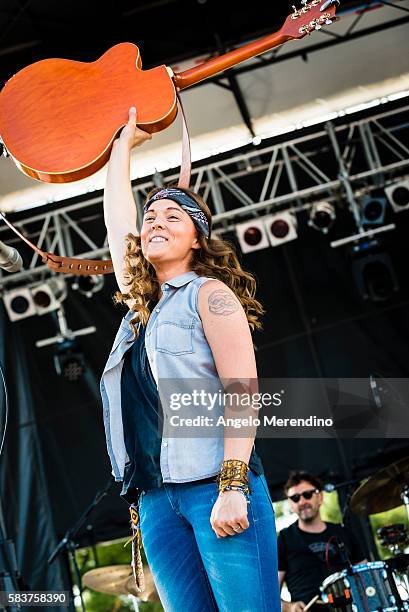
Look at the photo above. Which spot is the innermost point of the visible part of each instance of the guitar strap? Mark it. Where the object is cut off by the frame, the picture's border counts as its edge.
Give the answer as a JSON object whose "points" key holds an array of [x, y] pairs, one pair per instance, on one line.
{"points": [[87, 267], [186, 167]]}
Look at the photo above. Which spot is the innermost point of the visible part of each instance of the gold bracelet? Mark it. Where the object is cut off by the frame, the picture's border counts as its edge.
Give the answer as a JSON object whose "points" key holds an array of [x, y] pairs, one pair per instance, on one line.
{"points": [[234, 469], [234, 472]]}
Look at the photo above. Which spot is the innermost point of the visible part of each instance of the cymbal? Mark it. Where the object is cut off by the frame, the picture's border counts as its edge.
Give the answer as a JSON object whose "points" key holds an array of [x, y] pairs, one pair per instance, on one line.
{"points": [[382, 491], [109, 579], [119, 580]]}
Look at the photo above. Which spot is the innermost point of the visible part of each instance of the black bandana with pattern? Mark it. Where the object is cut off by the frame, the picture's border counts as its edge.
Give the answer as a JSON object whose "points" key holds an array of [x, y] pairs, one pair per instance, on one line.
{"points": [[186, 202]]}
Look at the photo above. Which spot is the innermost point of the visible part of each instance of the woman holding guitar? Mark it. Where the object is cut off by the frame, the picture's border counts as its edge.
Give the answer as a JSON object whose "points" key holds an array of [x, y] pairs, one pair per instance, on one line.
{"points": [[205, 513]]}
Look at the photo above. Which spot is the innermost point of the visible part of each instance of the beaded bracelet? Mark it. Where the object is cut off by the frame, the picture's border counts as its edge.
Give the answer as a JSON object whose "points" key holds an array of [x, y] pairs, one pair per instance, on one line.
{"points": [[244, 490]]}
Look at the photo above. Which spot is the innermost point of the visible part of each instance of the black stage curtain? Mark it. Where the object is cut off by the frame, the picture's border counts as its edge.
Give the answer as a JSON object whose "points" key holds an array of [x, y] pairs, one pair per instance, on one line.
{"points": [[68, 415], [25, 491]]}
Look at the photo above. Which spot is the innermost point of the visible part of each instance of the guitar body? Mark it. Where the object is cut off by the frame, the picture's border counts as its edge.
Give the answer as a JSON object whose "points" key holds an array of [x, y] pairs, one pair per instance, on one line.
{"points": [[58, 118]]}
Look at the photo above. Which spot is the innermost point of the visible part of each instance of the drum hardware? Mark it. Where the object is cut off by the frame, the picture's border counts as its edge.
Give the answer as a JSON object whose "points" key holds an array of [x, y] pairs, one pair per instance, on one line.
{"points": [[366, 587], [393, 537], [384, 490], [68, 543], [405, 498], [400, 566], [377, 586]]}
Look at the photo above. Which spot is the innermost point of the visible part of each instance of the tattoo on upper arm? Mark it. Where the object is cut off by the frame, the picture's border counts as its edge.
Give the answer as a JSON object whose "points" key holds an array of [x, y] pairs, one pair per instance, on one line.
{"points": [[222, 303]]}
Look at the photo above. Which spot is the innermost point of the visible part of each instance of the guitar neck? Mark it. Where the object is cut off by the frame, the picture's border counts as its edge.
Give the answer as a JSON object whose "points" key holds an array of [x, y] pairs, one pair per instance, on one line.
{"points": [[190, 77]]}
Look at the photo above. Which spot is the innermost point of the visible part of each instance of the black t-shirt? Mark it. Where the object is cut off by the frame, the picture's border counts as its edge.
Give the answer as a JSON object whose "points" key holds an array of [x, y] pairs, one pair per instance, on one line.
{"points": [[308, 558]]}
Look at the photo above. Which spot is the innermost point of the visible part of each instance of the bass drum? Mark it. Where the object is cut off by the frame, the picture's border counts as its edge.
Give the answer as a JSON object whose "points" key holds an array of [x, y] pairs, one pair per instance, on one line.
{"points": [[367, 587]]}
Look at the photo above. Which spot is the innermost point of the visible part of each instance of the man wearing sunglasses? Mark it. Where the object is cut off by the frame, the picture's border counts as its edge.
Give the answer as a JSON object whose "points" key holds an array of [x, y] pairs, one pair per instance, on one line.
{"points": [[310, 549]]}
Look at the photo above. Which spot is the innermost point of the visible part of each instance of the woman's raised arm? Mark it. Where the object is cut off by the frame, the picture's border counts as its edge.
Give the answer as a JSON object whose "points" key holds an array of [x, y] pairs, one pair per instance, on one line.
{"points": [[119, 203]]}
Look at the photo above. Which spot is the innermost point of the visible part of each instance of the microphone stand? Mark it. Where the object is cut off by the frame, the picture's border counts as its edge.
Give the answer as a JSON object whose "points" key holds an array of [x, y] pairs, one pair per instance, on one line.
{"points": [[345, 499], [69, 544], [9, 574]]}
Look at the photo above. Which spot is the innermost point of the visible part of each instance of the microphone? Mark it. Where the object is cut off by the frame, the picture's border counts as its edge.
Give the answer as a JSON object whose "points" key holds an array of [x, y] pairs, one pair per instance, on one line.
{"points": [[329, 487], [10, 258]]}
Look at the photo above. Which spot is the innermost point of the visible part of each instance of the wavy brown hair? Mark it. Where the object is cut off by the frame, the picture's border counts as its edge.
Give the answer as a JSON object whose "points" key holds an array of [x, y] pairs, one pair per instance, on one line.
{"points": [[216, 259]]}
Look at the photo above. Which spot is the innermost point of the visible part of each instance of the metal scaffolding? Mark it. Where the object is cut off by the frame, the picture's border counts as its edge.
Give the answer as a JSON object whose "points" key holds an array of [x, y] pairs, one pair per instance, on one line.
{"points": [[335, 162]]}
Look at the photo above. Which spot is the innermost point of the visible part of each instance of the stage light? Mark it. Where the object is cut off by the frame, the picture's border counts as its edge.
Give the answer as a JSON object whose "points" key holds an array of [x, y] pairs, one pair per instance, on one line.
{"points": [[398, 195], [373, 272], [322, 216], [281, 227], [372, 210], [35, 299], [252, 236], [69, 361], [19, 303], [88, 285], [42, 298], [49, 295]]}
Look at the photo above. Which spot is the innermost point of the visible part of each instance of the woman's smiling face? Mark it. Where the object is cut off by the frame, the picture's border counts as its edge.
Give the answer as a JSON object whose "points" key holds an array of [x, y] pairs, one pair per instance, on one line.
{"points": [[168, 233]]}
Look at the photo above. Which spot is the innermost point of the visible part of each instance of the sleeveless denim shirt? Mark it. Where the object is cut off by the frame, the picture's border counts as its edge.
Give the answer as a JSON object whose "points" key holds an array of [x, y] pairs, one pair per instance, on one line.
{"points": [[177, 349]]}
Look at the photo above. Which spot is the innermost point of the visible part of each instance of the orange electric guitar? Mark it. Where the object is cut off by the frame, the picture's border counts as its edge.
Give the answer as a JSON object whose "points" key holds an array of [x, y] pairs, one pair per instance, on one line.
{"points": [[58, 118]]}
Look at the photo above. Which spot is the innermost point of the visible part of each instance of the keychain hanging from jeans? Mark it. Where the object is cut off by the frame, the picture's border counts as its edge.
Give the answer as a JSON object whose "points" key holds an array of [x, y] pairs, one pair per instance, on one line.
{"points": [[137, 566]]}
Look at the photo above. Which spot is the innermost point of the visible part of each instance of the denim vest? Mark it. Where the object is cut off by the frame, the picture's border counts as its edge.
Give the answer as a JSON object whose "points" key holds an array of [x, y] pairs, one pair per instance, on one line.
{"points": [[177, 349]]}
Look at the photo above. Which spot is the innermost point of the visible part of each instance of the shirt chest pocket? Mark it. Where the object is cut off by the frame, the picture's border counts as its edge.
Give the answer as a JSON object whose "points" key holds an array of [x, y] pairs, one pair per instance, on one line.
{"points": [[175, 336]]}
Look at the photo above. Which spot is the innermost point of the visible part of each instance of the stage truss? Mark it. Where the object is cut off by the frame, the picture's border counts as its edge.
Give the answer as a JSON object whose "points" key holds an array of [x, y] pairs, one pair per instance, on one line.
{"points": [[336, 162]]}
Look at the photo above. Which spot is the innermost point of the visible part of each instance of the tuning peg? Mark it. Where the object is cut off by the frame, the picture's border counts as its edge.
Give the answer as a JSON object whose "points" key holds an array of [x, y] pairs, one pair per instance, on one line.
{"points": [[318, 26], [328, 21], [296, 13], [304, 2]]}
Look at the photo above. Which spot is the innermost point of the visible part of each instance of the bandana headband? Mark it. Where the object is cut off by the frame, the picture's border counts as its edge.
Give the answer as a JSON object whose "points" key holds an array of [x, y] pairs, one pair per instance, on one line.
{"points": [[188, 204]]}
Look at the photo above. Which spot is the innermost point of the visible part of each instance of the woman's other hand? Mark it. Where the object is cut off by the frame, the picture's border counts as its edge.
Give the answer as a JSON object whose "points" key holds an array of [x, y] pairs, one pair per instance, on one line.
{"points": [[229, 514], [131, 136]]}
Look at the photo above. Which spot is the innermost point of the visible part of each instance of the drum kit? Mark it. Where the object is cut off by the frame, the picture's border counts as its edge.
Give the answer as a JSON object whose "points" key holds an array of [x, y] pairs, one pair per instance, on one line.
{"points": [[378, 586]]}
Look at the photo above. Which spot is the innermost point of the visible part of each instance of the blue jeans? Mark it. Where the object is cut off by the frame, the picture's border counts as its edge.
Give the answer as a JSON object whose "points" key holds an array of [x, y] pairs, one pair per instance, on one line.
{"points": [[198, 572]]}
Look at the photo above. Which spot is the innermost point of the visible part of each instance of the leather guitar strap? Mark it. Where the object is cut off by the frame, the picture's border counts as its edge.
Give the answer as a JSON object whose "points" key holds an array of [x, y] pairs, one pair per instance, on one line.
{"points": [[186, 167], [87, 267]]}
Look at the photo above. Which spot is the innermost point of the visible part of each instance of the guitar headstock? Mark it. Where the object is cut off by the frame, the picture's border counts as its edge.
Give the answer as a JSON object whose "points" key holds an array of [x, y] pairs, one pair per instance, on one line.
{"points": [[311, 16]]}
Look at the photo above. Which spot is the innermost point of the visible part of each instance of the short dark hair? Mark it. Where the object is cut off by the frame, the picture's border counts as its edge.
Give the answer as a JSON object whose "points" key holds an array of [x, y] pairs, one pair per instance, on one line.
{"points": [[297, 476]]}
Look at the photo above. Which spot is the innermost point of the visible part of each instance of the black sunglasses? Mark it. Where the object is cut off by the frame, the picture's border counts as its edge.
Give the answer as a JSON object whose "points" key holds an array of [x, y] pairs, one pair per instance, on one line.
{"points": [[305, 494]]}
